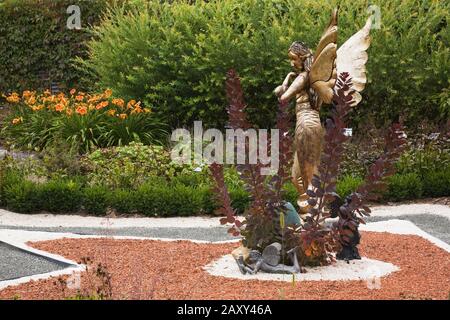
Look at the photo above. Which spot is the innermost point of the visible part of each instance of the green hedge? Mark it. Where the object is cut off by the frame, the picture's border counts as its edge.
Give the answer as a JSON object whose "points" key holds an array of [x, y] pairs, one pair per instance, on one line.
{"points": [[160, 198], [22, 197], [34, 39], [436, 183], [404, 187], [347, 185], [60, 196], [96, 200], [123, 201], [174, 56]]}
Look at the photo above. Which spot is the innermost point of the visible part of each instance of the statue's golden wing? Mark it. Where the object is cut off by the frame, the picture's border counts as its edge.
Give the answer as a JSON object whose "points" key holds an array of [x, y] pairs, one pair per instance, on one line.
{"points": [[322, 76], [352, 58]]}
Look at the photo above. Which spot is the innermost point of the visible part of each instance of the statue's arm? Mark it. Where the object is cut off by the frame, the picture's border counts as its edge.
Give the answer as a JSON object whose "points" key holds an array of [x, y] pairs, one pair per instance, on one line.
{"points": [[282, 89], [298, 85]]}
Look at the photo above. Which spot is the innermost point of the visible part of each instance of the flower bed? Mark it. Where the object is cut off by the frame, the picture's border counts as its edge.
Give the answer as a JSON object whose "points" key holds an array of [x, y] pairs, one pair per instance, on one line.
{"points": [[83, 121], [174, 270]]}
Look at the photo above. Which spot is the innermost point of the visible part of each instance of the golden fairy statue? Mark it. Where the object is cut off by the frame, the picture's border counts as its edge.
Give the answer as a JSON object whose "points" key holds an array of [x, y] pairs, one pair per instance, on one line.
{"points": [[312, 83]]}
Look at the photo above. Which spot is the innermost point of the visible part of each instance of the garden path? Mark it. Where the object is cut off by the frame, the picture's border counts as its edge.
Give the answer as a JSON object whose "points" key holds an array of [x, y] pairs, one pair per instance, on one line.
{"points": [[17, 229]]}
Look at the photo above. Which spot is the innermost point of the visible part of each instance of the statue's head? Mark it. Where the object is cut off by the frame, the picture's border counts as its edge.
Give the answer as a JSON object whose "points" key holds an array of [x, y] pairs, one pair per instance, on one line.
{"points": [[300, 56]]}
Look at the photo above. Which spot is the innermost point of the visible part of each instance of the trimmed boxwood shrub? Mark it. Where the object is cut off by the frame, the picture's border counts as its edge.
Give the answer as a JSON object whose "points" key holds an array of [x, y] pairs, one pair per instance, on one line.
{"points": [[404, 187], [209, 205], [181, 200], [61, 196], [168, 200], [23, 196], [348, 184], [240, 199], [123, 201], [159, 197], [152, 195], [96, 200], [436, 183], [7, 178]]}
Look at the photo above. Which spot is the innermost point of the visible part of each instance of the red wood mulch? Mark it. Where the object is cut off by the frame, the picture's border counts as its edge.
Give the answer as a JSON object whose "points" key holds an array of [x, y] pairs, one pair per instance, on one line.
{"points": [[173, 270]]}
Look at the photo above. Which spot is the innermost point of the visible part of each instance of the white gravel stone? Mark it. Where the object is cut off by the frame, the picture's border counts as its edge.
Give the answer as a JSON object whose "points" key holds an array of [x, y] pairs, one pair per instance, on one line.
{"points": [[403, 227], [9, 218], [411, 209], [364, 269]]}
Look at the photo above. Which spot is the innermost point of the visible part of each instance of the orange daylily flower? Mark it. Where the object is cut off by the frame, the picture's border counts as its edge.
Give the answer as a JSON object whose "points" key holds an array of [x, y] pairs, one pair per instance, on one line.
{"points": [[102, 105], [79, 98], [111, 112], [31, 101], [59, 107], [37, 108], [13, 98], [17, 120], [93, 99], [118, 102], [81, 110], [27, 94], [108, 93], [138, 109], [131, 104], [64, 101], [123, 116]]}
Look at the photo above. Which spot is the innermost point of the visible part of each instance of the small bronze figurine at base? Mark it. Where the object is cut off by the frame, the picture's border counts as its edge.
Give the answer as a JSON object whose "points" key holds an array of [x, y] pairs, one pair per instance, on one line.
{"points": [[268, 261]]}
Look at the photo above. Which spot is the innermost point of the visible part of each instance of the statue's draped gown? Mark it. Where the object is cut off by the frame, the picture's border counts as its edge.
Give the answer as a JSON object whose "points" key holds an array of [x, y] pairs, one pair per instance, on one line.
{"points": [[308, 144]]}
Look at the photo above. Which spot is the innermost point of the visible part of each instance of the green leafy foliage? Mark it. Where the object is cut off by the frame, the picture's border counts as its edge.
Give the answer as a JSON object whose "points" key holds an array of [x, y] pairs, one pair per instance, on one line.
{"points": [[36, 47], [427, 154], [130, 166], [157, 199], [436, 183], [22, 197], [404, 187], [240, 199], [173, 56], [81, 121], [96, 200], [290, 194], [421, 160], [348, 184], [441, 187], [60, 196], [123, 201]]}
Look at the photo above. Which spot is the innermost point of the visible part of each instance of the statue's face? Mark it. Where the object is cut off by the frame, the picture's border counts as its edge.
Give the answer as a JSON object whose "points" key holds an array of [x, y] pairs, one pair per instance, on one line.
{"points": [[296, 61]]}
